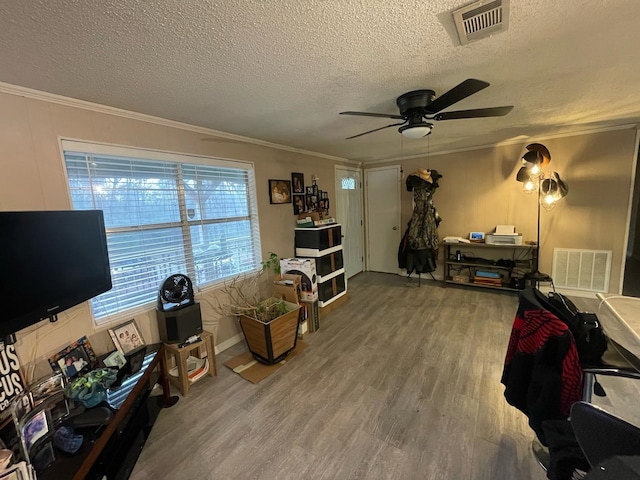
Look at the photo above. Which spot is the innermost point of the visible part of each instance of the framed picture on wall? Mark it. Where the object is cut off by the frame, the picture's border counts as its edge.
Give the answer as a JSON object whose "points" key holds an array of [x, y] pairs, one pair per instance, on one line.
{"points": [[279, 191], [297, 183], [299, 205]]}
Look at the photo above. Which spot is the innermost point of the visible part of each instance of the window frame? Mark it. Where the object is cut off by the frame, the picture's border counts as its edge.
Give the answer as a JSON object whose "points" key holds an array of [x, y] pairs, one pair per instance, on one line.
{"points": [[185, 224]]}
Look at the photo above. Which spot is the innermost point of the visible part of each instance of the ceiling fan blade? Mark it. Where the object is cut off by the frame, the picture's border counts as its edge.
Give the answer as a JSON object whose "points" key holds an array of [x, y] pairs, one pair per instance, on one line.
{"points": [[368, 114], [375, 130], [457, 93], [475, 113]]}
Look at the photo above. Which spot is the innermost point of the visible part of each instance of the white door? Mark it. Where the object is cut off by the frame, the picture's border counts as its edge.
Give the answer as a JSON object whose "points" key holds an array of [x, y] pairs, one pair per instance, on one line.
{"points": [[349, 215], [382, 193]]}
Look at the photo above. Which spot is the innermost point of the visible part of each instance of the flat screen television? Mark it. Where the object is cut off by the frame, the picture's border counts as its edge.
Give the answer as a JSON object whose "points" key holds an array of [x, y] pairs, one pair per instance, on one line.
{"points": [[49, 261]]}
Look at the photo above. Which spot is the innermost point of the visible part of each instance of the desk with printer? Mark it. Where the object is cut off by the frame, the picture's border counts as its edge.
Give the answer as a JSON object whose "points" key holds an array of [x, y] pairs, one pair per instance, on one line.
{"points": [[499, 260]]}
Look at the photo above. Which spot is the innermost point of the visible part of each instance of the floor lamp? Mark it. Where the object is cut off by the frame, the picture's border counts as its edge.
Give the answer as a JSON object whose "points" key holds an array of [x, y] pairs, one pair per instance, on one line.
{"points": [[550, 188]]}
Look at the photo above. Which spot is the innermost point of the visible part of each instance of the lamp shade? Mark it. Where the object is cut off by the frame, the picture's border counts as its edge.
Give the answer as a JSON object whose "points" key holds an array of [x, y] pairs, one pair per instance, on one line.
{"points": [[416, 130]]}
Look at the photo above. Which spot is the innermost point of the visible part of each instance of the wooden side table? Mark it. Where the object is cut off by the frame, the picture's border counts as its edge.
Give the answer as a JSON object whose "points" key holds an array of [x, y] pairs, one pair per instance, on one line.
{"points": [[205, 347]]}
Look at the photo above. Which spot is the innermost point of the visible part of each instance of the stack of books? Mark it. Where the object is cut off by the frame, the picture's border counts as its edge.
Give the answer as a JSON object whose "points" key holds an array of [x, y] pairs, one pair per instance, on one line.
{"points": [[487, 278], [196, 368]]}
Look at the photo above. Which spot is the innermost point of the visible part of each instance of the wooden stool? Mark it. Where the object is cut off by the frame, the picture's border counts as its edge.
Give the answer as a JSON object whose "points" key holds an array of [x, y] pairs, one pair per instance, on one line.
{"points": [[205, 347]]}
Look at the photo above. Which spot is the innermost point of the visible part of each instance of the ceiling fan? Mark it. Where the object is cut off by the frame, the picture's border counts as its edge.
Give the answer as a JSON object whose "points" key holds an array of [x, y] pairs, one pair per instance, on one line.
{"points": [[420, 105]]}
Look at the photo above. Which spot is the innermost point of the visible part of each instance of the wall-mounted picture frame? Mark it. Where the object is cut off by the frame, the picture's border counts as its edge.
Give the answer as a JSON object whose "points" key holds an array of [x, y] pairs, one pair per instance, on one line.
{"points": [[309, 190], [299, 204], [297, 183], [279, 191], [309, 202], [325, 195], [127, 337], [75, 360]]}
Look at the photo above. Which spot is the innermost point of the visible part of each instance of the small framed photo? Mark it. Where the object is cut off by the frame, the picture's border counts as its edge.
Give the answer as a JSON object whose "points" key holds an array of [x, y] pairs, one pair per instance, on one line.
{"points": [[309, 202], [298, 204], [319, 194], [115, 359], [58, 407], [279, 191], [309, 190], [127, 337], [297, 183], [47, 386], [325, 195], [75, 360], [20, 406], [34, 427]]}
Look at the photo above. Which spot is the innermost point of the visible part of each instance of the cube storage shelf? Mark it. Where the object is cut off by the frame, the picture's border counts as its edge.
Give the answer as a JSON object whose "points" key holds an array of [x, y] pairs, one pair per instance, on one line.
{"points": [[324, 244], [523, 257]]}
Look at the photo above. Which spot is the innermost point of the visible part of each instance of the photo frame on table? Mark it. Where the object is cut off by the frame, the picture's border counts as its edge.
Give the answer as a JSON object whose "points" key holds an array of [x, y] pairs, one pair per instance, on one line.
{"points": [[127, 337], [279, 191], [35, 425], [47, 386], [297, 183], [75, 360]]}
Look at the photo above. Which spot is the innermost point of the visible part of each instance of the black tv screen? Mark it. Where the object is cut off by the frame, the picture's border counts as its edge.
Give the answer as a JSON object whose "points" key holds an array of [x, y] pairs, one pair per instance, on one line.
{"points": [[49, 262]]}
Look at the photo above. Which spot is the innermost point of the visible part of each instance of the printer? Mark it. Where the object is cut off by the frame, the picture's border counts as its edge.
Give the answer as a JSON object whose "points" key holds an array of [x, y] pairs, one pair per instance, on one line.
{"points": [[504, 235]]}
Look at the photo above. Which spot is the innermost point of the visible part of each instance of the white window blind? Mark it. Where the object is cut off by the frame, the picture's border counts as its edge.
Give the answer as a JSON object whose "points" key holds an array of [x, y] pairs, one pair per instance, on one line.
{"points": [[164, 216]]}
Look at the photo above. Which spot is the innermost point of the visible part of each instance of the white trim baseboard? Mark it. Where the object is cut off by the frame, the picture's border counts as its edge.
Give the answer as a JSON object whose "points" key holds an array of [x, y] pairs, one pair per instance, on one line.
{"points": [[228, 343]]}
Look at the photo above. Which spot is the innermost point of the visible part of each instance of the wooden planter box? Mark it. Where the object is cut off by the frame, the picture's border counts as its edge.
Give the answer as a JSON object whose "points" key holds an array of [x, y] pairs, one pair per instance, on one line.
{"points": [[272, 341]]}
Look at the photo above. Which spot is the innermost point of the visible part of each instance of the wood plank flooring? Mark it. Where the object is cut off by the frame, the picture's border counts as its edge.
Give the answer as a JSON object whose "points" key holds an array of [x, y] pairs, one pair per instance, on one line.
{"points": [[401, 382]]}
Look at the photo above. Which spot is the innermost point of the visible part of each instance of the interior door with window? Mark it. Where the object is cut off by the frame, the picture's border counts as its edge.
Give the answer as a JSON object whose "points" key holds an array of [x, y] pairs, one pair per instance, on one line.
{"points": [[349, 215], [382, 193]]}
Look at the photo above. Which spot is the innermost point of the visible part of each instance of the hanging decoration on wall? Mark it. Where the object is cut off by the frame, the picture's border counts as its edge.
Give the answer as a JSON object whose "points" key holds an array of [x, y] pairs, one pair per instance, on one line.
{"points": [[280, 191], [419, 246]]}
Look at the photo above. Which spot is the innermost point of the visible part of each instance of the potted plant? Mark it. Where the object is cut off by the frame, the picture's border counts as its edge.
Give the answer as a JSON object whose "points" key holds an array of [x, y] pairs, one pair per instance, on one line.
{"points": [[269, 325]]}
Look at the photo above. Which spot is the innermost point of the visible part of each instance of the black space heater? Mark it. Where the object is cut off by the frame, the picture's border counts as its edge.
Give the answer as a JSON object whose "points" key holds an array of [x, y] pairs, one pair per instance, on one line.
{"points": [[178, 313]]}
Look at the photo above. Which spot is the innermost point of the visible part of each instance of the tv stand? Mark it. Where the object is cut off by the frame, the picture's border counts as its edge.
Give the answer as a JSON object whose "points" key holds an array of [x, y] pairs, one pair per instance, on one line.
{"points": [[111, 451]]}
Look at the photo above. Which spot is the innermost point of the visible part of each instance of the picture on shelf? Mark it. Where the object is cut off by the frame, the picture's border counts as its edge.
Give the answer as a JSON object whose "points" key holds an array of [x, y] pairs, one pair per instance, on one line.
{"points": [[34, 428], [127, 337], [297, 182], [76, 359], [279, 191], [325, 195], [47, 386], [309, 190]]}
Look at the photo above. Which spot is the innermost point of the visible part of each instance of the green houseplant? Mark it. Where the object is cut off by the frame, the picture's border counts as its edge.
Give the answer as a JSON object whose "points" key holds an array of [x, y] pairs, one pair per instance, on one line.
{"points": [[269, 324]]}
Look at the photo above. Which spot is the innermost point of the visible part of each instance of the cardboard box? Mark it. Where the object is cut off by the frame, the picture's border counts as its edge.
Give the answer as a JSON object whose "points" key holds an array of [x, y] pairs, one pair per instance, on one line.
{"points": [[313, 315], [306, 268], [288, 287]]}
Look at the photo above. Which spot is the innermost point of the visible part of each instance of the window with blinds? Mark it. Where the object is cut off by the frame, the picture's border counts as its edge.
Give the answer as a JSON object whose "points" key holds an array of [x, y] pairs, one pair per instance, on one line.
{"points": [[164, 214]]}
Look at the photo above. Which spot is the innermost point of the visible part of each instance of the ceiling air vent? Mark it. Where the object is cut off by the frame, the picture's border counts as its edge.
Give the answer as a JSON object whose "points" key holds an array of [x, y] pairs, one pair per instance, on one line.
{"points": [[481, 19]]}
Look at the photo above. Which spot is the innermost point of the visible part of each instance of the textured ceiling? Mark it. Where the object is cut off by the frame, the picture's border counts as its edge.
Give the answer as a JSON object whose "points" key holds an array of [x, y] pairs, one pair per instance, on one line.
{"points": [[281, 70]]}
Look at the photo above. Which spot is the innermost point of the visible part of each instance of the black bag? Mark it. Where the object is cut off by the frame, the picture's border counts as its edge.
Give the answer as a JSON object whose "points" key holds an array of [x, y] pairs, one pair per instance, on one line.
{"points": [[590, 339]]}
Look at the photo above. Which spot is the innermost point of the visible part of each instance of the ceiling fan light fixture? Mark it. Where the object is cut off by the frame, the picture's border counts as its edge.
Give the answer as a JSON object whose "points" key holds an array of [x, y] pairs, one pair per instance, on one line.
{"points": [[418, 130]]}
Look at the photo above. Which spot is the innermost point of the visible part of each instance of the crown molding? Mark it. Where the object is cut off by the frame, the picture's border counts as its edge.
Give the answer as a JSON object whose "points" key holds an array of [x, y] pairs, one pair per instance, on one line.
{"points": [[505, 143], [119, 112]]}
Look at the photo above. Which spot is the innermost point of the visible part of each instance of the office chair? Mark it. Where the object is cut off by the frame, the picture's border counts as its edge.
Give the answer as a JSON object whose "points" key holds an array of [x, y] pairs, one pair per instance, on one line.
{"points": [[602, 435]]}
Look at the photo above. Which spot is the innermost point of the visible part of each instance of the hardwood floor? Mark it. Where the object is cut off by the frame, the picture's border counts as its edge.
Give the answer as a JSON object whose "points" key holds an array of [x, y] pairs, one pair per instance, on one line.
{"points": [[401, 382]]}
